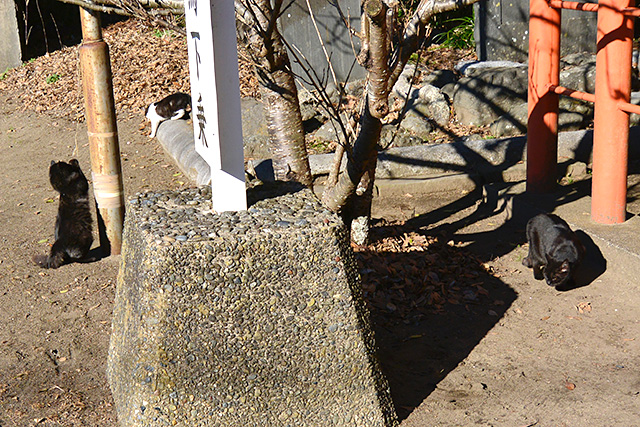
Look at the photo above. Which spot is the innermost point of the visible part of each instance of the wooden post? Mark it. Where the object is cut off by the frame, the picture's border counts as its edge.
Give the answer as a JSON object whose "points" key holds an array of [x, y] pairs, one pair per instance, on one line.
{"points": [[100, 114], [544, 70], [215, 93]]}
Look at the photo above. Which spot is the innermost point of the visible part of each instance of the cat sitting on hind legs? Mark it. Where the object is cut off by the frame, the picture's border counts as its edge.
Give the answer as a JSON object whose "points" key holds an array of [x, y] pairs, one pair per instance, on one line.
{"points": [[73, 232]]}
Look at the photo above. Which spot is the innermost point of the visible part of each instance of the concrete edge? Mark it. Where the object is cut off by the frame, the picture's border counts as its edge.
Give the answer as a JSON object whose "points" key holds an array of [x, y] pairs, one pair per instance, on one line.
{"points": [[491, 158], [437, 168]]}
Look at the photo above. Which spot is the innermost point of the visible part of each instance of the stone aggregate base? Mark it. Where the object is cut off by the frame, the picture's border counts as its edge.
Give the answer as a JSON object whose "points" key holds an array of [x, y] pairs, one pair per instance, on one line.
{"points": [[253, 318]]}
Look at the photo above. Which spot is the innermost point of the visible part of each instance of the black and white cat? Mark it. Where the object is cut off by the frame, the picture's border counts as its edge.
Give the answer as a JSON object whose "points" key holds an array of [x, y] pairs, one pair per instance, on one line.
{"points": [[173, 107], [554, 250], [74, 223]]}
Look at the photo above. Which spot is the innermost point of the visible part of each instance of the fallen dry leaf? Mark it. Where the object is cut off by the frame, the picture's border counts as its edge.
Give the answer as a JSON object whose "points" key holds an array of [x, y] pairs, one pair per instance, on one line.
{"points": [[584, 307], [407, 274]]}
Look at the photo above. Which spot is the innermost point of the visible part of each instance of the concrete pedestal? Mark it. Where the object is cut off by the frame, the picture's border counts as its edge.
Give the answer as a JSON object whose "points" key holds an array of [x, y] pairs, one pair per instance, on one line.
{"points": [[253, 318]]}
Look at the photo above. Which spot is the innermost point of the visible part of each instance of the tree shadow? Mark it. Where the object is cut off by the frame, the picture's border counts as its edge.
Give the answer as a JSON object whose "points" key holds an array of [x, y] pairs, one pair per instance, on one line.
{"points": [[420, 349], [422, 336], [417, 350]]}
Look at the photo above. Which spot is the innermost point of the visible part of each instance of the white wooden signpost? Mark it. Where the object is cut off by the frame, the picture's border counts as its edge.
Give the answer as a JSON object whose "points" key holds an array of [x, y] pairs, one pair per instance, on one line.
{"points": [[215, 98]]}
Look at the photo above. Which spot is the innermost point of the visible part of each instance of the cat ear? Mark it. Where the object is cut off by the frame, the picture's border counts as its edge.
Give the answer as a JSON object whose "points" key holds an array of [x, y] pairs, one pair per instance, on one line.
{"points": [[74, 162], [565, 266], [53, 162]]}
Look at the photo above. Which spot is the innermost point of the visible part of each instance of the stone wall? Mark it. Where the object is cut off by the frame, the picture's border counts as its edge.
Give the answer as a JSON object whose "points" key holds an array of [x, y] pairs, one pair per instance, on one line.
{"points": [[298, 29], [253, 318], [502, 30]]}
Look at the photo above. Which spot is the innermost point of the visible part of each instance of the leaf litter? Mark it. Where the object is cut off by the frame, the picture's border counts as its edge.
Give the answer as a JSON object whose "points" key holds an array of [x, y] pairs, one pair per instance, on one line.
{"points": [[408, 274], [145, 69]]}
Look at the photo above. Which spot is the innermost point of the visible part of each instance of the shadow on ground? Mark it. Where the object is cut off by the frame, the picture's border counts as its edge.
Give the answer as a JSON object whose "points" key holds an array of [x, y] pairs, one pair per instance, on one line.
{"points": [[420, 344]]}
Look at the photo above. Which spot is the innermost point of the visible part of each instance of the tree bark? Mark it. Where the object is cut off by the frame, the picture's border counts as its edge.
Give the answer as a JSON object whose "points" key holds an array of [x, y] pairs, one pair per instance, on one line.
{"points": [[286, 133], [342, 197], [338, 197], [364, 148], [376, 13], [279, 93], [360, 213]]}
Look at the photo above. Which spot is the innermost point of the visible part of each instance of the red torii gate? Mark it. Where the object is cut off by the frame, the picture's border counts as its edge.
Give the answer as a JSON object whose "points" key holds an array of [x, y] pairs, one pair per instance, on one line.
{"points": [[611, 98]]}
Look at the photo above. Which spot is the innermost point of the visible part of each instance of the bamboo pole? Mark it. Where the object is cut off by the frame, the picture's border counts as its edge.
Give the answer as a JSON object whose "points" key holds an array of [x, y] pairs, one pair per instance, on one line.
{"points": [[102, 129]]}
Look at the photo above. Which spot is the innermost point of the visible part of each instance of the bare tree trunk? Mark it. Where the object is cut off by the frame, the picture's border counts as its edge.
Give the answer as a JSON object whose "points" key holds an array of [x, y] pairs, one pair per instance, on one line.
{"points": [[353, 193], [286, 133], [384, 71], [378, 105], [361, 210], [364, 148], [279, 93], [376, 13]]}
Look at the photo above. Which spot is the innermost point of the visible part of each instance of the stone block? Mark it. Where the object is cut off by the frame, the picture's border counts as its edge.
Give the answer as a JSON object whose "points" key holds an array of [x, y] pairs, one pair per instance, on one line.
{"points": [[489, 93], [10, 50], [251, 318]]}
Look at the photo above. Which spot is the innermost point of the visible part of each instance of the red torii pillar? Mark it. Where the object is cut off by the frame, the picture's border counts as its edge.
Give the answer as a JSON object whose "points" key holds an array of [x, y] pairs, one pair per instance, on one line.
{"points": [[611, 124], [544, 70]]}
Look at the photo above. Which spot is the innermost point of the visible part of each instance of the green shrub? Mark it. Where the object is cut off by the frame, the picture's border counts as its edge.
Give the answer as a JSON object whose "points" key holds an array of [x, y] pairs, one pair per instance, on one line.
{"points": [[52, 78], [459, 34]]}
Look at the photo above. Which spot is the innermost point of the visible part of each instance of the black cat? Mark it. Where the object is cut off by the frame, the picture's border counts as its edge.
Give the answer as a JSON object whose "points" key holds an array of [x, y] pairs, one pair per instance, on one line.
{"points": [[172, 107], [554, 250], [74, 223]]}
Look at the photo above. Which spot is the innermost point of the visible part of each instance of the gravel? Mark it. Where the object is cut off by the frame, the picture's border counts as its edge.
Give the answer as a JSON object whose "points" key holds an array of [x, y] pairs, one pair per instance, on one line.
{"points": [[242, 318]]}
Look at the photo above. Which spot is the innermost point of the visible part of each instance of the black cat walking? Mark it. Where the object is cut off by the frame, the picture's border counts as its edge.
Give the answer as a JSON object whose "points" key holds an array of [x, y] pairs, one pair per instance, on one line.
{"points": [[73, 234], [554, 250]]}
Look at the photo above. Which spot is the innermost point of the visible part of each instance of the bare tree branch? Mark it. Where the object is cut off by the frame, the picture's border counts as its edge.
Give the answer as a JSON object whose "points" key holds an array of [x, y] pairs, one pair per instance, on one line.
{"points": [[376, 12], [365, 146], [324, 48], [153, 12]]}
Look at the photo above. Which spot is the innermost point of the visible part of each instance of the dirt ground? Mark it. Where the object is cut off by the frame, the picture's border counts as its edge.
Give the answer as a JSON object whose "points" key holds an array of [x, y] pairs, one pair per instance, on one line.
{"points": [[55, 324], [525, 354], [490, 346]]}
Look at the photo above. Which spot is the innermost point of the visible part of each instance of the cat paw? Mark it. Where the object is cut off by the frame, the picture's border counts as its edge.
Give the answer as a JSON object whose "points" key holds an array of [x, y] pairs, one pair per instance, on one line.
{"points": [[44, 261]]}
